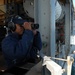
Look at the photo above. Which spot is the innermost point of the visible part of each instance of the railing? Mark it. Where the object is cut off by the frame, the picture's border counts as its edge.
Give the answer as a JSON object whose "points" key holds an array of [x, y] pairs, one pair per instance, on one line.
{"points": [[53, 67]]}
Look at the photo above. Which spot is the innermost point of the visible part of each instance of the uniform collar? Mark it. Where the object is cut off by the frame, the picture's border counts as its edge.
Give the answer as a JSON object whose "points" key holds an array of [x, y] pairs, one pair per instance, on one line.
{"points": [[14, 35]]}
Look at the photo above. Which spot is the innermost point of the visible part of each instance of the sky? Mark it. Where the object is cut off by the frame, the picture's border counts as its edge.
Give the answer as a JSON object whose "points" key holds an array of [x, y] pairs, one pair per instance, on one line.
{"points": [[74, 3]]}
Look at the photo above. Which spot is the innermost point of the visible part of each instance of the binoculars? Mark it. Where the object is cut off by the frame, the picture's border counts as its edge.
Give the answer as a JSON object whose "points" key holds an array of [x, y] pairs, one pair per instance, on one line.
{"points": [[34, 26]]}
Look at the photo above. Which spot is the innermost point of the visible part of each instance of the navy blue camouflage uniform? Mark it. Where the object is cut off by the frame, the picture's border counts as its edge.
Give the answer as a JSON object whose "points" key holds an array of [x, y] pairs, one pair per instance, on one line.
{"points": [[16, 49]]}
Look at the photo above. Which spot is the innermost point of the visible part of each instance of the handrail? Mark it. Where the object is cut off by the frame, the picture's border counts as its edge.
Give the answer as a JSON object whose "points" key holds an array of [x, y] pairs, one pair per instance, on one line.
{"points": [[51, 65], [2, 11]]}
